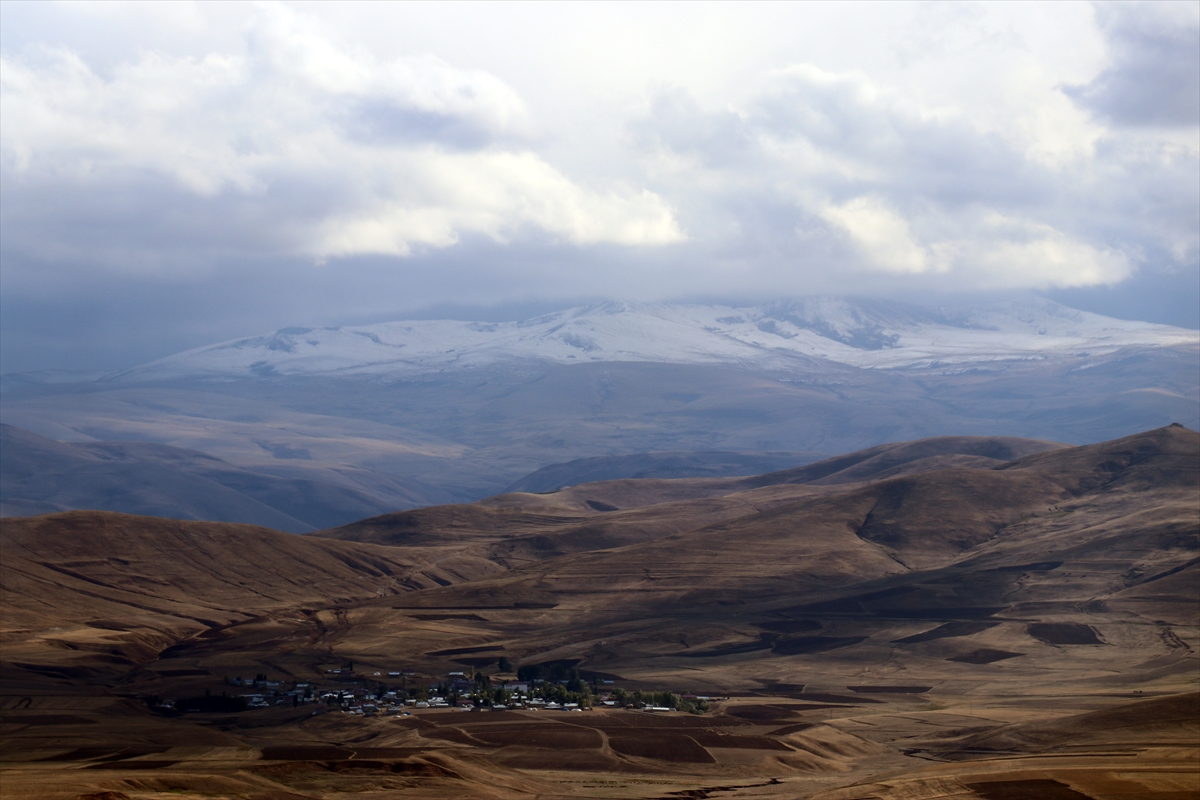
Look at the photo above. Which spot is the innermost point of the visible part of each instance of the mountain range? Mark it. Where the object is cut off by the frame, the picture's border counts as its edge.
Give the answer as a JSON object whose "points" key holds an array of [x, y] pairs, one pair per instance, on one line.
{"points": [[788, 337], [413, 413]]}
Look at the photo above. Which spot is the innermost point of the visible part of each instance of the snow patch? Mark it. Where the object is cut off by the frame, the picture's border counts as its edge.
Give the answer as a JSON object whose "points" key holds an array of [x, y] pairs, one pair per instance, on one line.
{"points": [[793, 336]]}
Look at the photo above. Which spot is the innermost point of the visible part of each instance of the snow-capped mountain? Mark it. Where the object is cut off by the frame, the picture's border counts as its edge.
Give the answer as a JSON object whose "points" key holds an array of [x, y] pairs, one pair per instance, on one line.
{"points": [[784, 336], [461, 410]]}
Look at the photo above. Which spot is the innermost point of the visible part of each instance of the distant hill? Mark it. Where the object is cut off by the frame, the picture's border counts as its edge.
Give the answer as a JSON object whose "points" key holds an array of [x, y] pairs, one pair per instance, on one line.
{"points": [[39, 475], [421, 412], [570, 513], [671, 464], [957, 536]]}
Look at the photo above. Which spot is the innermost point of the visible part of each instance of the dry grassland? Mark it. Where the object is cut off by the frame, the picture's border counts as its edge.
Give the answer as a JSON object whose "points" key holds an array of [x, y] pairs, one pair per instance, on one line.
{"points": [[918, 627]]}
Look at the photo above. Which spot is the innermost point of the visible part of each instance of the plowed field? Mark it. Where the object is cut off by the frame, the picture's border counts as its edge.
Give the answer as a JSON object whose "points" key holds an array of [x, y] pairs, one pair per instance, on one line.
{"points": [[672, 747]]}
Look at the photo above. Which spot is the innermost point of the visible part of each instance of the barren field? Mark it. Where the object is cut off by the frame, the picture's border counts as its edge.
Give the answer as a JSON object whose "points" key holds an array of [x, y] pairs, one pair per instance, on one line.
{"points": [[898, 624]]}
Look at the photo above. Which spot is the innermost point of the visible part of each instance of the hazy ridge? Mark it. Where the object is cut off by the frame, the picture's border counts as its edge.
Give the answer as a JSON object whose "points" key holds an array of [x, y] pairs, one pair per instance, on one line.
{"points": [[470, 409]]}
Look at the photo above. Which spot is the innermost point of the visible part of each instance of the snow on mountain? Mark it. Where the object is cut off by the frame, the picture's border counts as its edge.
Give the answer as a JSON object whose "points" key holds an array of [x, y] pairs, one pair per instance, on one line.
{"points": [[784, 336]]}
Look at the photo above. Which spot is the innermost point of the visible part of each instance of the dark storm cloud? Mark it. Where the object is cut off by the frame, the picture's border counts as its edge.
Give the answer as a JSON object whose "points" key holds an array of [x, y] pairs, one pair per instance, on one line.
{"points": [[1153, 77]]}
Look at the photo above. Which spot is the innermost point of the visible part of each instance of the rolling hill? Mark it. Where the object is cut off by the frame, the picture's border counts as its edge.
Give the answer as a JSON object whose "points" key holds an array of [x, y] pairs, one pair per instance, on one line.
{"points": [[41, 475], [962, 614]]}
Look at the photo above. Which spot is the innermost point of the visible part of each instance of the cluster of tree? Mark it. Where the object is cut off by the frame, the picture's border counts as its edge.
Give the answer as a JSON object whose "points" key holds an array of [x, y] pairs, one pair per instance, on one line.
{"points": [[554, 684], [660, 699], [560, 683]]}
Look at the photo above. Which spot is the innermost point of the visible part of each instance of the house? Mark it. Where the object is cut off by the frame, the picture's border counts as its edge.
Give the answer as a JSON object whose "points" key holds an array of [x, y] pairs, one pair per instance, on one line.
{"points": [[255, 701]]}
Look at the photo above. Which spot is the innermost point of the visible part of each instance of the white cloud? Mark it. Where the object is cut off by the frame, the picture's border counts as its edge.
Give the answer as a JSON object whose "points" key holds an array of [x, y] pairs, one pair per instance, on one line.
{"points": [[880, 234], [533, 151], [991, 251], [847, 176], [1052, 260], [342, 153], [433, 196], [1005, 252]]}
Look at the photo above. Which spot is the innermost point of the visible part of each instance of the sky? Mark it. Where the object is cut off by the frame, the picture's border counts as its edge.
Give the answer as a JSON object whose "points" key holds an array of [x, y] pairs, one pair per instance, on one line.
{"points": [[176, 174]]}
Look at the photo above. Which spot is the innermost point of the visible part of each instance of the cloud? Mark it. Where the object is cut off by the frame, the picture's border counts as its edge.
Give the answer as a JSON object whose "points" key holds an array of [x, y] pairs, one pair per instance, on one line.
{"points": [[998, 252], [295, 146], [870, 181], [492, 193], [1153, 78], [1006, 253], [881, 234], [221, 169]]}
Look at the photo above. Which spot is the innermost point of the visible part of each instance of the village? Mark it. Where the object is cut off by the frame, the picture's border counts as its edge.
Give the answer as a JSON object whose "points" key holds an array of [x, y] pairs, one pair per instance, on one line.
{"points": [[401, 692]]}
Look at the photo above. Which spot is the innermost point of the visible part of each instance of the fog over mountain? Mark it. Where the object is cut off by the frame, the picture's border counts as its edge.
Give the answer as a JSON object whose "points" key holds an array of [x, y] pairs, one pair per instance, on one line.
{"points": [[411, 413]]}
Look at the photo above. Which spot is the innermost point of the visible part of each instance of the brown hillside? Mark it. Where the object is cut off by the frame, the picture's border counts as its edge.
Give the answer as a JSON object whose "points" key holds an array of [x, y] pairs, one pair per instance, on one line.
{"points": [[961, 629], [127, 586], [515, 514]]}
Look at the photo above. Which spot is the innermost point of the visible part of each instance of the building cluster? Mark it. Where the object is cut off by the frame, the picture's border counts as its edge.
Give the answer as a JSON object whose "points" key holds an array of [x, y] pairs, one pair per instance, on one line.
{"points": [[375, 694]]}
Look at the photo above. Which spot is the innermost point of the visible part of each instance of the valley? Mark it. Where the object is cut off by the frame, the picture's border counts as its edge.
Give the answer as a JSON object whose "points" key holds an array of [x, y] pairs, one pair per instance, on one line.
{"points": [[786, 401], [949, 617]]}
